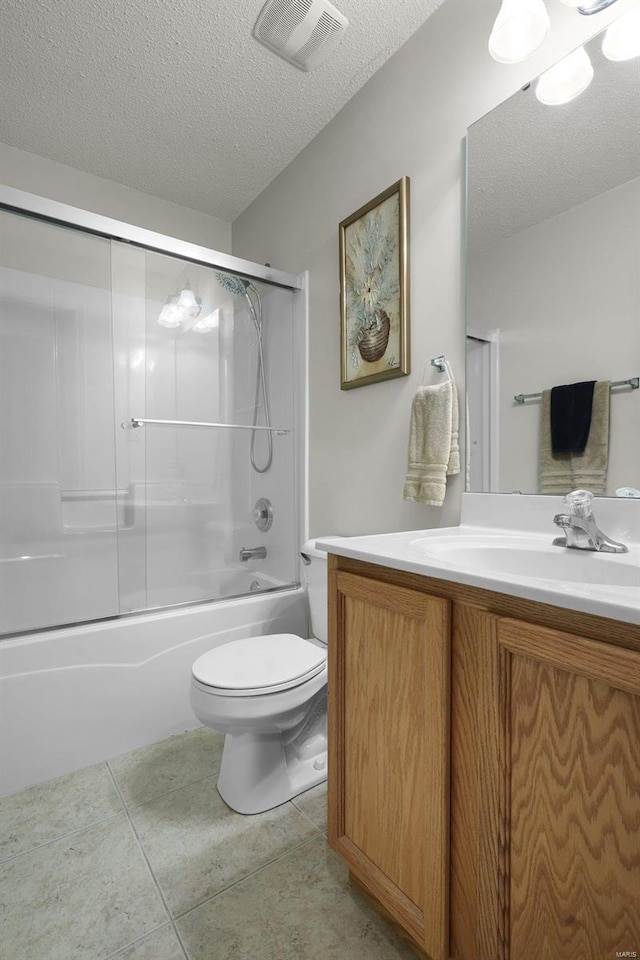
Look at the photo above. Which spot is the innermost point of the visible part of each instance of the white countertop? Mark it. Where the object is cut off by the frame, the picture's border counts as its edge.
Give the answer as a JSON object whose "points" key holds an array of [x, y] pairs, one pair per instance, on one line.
{"points": [[468, 554]]}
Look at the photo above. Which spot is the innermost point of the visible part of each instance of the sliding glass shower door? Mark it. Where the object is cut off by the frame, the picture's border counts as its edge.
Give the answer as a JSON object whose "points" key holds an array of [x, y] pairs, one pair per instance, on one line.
{"points": [[101, 513], [58, 509]]}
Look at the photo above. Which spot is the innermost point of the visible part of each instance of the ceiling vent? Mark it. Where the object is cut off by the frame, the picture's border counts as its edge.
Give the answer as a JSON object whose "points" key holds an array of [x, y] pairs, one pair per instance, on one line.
{"points": [[304, 32]]}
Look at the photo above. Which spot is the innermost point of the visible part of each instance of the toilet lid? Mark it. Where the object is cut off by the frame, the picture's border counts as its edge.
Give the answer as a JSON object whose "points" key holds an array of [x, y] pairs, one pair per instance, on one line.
{"points": [[279, 659]]}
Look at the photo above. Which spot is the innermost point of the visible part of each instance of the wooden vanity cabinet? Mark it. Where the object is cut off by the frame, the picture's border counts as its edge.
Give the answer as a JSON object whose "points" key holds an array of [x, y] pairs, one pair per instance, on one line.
{"points": [[388, 749], [484, 767]]}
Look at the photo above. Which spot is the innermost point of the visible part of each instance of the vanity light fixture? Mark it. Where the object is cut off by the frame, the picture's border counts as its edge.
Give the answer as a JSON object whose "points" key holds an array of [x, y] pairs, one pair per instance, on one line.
{"points": [[622, 38], [208, 323], [179, 310], [588, 7], [566, 80], [170, 315], [520, 28], [523, 25], [187, 303]]}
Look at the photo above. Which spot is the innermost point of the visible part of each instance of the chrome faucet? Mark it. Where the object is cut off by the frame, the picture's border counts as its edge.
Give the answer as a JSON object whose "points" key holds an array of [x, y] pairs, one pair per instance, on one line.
{"points": [[580, 527], [252, 553]]}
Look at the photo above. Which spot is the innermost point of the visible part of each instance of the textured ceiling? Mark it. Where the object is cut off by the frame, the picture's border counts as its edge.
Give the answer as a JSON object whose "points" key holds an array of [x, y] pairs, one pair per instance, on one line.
{"points": [[175, 97], [529, 162]]}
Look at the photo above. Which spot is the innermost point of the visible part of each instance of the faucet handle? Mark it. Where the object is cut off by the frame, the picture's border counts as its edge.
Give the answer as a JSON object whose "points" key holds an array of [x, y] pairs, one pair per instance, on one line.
{"points": [[579, 502]]}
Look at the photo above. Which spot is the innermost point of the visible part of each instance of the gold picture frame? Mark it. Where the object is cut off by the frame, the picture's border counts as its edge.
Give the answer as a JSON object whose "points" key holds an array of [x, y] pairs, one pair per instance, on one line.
{"points": [[374, 290]]}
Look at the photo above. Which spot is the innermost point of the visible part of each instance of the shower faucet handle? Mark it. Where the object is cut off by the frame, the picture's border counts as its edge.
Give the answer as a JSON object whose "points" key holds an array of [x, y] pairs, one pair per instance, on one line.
{"points": [[262, 514]]}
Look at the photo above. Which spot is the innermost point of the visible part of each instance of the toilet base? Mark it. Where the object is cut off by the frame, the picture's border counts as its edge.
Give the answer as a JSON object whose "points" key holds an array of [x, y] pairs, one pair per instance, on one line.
{"points": [[262, 771]]}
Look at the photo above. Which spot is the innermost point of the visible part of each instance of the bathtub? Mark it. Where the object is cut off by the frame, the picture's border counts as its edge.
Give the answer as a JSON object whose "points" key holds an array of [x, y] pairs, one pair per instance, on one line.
{"points": [[79, 695]]}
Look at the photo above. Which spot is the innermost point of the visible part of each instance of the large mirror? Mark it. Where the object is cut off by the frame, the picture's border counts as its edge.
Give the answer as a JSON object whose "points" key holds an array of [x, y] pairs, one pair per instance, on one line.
{"points": [[553, 289]]}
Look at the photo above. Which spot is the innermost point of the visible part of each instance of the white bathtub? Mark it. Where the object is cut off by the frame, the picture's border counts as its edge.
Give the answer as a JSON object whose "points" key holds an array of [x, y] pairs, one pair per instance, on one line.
{"points": [[79, 695]]}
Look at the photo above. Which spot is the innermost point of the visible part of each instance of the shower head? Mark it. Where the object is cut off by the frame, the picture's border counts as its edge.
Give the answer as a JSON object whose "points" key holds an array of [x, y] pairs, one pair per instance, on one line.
{"points": [[240, 287], [233, 284]]}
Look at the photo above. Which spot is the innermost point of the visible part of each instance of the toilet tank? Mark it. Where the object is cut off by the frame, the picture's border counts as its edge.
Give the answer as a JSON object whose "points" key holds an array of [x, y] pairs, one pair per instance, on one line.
{"points": [[315, 574]]}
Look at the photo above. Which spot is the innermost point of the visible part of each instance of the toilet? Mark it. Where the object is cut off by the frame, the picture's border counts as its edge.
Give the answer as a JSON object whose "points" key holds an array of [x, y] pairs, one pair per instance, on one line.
{"points": [[268, 695]]}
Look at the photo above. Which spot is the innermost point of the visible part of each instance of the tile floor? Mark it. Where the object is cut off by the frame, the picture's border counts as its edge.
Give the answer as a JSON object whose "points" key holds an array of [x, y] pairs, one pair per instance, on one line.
{"points": [[140, 859]]}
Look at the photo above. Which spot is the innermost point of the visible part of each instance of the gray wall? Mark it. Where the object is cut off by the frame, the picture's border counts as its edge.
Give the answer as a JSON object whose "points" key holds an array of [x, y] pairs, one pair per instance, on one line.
{"points": [[57, 181], [410, 118]]}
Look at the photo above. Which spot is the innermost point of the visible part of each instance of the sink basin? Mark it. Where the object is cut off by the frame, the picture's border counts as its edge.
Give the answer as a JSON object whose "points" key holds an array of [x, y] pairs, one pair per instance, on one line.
{"points": [[531, 557]]}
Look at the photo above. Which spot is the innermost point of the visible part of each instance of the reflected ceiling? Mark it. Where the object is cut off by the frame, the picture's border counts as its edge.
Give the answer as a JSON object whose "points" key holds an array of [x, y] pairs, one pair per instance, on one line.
{"points": [[511, 193]]}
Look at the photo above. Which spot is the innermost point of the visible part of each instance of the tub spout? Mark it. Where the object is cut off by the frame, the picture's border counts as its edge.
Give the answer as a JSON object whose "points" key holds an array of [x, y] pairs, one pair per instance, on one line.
{"points": [[252, 553]]}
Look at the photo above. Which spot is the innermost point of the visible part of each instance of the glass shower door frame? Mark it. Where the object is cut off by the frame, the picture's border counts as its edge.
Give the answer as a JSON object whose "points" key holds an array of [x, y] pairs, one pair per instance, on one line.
{"points": [[65, 215], [22, 202]]}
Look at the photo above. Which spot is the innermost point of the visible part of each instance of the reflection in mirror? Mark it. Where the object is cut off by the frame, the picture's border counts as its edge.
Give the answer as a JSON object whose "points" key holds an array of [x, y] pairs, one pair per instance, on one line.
{"points": [[553, 288]]}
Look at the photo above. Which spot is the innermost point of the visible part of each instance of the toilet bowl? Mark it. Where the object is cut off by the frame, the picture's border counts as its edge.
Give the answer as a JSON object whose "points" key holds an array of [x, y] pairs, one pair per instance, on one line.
{"points": [[268, 695]]}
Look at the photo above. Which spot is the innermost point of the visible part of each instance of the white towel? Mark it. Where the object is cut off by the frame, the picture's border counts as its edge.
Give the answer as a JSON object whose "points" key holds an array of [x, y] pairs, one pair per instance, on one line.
{"points": [[434, 453]]}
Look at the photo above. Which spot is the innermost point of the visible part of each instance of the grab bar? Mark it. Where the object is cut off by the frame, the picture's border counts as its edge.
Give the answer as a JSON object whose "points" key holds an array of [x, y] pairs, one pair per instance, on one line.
{"points": [[140, 421]]}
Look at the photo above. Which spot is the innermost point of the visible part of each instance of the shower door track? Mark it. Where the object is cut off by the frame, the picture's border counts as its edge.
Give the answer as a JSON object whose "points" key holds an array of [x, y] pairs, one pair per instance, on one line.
{"points": [[19, 201], [146, 611]]}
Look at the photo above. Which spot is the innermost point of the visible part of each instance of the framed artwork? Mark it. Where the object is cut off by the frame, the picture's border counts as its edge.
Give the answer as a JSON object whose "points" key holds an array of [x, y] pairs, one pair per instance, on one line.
{"points": [[374, 289]]}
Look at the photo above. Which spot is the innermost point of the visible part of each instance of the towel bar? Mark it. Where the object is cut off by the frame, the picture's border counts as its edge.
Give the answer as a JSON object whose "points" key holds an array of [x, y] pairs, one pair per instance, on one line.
{"points": [[442, 365], [140, 421], [633, 382]]}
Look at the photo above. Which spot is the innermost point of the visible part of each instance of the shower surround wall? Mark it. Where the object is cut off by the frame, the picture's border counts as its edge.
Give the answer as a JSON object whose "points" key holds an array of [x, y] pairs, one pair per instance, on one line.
{"points": [[98, 518], [274, 485]]}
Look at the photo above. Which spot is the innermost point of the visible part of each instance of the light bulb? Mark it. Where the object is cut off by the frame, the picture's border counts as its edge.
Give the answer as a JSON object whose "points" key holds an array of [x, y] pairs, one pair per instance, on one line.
{"points": [[208, 323], [170, 315], [622, 39], [587, 7], [566, 80], [188, 304], [520, 28], [187, 299]]}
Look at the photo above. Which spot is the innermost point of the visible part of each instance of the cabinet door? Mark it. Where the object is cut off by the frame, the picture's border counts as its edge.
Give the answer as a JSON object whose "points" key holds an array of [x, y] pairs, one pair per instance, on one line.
{"points": [[388, 749], [567, 727]]}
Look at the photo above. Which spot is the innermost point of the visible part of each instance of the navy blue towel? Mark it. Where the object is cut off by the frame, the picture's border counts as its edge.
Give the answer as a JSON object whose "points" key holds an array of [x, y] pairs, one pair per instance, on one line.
{"points": [[571, 416]]}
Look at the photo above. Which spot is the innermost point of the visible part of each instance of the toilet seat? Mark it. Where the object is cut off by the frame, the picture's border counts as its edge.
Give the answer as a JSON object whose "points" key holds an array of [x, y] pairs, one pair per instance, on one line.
{"points": [[256, 666]]}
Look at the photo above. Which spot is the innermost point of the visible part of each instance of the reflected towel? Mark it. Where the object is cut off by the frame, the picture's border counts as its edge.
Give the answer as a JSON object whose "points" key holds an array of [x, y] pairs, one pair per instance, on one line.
{"points": [[561, 473], [571, 408], [434, 451]]}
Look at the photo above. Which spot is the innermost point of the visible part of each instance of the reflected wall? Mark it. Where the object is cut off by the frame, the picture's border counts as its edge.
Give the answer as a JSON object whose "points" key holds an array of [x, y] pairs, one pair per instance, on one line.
{"points": [[553, 286]]}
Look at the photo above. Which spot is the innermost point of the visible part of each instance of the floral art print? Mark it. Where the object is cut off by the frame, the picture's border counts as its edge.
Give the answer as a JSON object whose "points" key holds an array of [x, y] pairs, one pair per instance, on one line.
{"points": [[373, 290]]}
